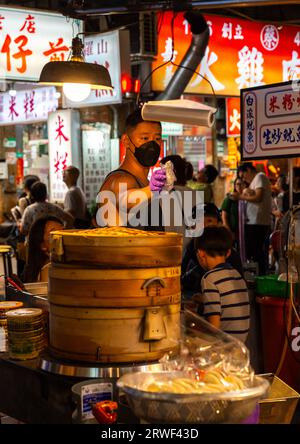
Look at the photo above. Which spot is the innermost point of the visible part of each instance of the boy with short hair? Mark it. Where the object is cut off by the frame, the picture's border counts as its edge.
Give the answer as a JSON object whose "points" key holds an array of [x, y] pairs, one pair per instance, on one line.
{"points": [[224, 291]]}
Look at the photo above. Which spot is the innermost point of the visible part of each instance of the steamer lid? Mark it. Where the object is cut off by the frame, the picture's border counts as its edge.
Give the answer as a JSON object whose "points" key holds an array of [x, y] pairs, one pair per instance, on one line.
{"points": [[10, 305], [24, 313]]}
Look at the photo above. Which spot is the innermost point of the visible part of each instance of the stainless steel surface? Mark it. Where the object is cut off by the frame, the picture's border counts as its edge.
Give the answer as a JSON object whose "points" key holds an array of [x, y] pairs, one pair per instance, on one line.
{"points": [[215, 408], [52, 365]]}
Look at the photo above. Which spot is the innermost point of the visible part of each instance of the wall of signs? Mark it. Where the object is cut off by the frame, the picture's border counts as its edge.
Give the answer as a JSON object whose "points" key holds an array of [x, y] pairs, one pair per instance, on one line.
{"points": [[30, 38], [96, 159]]}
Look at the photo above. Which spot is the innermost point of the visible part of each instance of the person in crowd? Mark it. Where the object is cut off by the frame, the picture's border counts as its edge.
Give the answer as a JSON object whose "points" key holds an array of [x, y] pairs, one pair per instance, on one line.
{"points": [[191, 270], [25, 199], [17, 212], [224, 291], [127, 197], [281, 200], [180, 211], [230, 211], [38, 259], [296, 186], [258, 215], [75, 202], [205, 177], [42, 208]]}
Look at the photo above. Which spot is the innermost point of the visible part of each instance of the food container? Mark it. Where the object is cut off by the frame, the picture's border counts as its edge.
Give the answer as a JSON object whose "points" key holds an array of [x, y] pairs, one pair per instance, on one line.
{"points": [[280, 405], [26, 333], [116, 247], [114, 294], [206, 408]]}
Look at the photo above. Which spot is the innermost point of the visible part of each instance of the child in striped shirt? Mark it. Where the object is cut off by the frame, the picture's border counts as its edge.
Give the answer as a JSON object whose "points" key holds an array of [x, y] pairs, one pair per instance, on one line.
{"points": [[224, 292]]}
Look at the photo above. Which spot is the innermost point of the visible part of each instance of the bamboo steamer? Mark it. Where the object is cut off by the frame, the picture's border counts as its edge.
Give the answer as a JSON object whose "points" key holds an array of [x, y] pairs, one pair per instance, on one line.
{"points": [[117, 247], [84, 287], [112, 335], [114, 294]]}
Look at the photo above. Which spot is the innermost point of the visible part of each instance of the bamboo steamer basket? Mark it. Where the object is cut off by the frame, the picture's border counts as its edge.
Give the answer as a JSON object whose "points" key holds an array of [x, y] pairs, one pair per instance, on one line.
{"points": [[5, 306], [117, 247], [113, 335], [85, 287], [114, 294], [26, 333]]}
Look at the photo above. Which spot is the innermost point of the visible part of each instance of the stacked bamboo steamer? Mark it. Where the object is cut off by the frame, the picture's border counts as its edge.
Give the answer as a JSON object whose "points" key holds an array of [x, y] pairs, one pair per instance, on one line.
{"points": [[114, 294], [26, 333], [5, 306]]}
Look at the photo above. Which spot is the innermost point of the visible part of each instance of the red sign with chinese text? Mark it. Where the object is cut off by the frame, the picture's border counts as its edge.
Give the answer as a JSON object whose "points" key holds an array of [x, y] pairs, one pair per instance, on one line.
{"points": [[240, 54], [233, 117]]}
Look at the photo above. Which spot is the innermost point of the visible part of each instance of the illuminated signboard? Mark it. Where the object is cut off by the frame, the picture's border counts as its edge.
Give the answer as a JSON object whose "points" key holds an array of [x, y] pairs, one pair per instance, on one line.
{"points": [[270, 121], [30, 38], [240, 54]]}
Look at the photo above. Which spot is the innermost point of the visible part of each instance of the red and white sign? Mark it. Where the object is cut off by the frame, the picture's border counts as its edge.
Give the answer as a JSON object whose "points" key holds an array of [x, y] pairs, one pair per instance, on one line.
{"points": [[233, 117], [240, 54], [27, 106], [63, 134], [271, 121], [29, 39]]}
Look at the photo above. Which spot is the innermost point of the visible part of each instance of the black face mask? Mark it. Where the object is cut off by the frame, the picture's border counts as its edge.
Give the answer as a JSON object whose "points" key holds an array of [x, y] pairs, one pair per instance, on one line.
{"points": [[148, 153]]}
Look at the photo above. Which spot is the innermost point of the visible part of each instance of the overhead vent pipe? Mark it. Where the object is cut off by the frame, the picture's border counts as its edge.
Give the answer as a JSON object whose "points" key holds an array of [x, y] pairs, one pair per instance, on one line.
{"points": [[192, 58]]}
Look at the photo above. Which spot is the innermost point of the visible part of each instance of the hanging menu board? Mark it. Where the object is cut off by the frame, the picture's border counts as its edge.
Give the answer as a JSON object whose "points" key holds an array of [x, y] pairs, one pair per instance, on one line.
{"points": [[270, 121]]}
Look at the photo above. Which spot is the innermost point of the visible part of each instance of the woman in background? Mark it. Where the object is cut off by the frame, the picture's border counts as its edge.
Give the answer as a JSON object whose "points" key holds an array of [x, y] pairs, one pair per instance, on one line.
{"points": [[183, 171], [38, 260]]}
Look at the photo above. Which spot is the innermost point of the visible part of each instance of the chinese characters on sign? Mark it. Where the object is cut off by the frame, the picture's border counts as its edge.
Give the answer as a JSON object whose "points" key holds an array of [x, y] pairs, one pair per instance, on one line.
{"points": [[96, 159], [250, 123], [63, 135], [30, 39], [233, 117], [270, 121], [27, 106], [239, 55]]}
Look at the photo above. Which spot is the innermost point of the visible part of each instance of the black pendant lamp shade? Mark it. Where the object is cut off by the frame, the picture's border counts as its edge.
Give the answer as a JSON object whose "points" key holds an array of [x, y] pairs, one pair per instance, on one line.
{"points": [[76, 71]]}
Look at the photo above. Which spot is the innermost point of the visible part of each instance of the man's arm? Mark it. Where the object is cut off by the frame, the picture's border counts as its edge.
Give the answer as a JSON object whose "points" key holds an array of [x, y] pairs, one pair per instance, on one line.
{"points": [[256, 196], [70, 204], [211, 302], [66, 217], [214, 320], [26, 222]]}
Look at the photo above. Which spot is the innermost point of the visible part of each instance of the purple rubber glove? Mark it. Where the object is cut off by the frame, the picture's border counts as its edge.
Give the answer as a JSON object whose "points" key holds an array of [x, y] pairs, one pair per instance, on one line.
{"points": [[157, 180]]}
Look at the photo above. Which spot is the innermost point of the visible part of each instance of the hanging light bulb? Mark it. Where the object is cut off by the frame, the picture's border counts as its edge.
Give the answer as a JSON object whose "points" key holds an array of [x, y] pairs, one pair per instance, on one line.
{"points": [[75, 75], [76, 92]]}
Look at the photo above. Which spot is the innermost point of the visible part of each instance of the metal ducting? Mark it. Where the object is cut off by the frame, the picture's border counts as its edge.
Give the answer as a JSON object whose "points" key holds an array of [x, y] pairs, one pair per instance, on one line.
{"points": [[192, 58]]}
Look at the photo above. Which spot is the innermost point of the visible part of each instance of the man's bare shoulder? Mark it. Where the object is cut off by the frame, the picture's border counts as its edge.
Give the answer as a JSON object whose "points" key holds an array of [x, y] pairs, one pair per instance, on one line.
{"points": [[112, 182]]}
